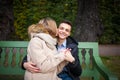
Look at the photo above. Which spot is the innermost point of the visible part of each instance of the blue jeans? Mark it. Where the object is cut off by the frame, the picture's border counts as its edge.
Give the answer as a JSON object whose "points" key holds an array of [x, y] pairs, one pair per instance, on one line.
{"points": [[64, 76]]}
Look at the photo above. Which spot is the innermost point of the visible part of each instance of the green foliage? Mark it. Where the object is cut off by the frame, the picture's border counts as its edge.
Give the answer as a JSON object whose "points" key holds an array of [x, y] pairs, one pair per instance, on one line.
{"points": [[110, 14], [30, 12]]}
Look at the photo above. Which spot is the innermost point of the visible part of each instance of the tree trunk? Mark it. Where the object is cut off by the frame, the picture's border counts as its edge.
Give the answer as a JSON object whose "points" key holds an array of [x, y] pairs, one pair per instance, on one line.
{"points": [[88, 25], [6, 19]]}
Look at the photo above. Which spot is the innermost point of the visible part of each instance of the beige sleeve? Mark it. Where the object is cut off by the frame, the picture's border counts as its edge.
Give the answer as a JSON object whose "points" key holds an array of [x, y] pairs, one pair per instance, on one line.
{"points": [[37, 55], [61, 66]]}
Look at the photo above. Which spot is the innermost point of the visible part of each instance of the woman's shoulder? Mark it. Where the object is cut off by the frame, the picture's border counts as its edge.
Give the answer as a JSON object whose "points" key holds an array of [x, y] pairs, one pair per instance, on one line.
{"points": [[35, 41]]}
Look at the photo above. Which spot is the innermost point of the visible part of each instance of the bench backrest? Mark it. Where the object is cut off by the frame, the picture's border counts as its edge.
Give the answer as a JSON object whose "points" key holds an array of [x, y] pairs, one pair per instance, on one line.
{"points": [[87, 52], [92, 65], [11, 55]]}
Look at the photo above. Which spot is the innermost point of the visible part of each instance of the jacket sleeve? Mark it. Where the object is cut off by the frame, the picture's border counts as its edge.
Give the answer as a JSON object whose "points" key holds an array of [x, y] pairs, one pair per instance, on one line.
{"points": [[37, 55], [23, 61], [61, 66], [75, 68]]}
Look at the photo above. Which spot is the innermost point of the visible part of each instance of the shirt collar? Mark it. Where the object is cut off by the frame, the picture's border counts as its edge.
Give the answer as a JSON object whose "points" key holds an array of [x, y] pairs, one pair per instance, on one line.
{"points": [[64, 43]]}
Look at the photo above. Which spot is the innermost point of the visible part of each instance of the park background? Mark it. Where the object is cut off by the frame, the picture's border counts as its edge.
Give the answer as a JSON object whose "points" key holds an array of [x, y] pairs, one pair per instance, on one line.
{"points": [[93, 21]]}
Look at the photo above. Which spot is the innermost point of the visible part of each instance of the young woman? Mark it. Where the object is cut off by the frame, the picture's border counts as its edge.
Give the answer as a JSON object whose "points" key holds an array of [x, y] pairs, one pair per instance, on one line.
{"points": [[42, 51]]}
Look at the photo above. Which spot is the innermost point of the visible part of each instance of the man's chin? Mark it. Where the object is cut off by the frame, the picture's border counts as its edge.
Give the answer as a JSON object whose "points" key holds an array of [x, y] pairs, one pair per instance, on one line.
{"points": [[62, 38]]}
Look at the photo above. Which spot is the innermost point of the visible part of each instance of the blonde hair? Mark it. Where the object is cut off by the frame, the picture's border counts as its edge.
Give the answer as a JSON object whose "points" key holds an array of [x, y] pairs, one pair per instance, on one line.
{"points": [[45, 25], [30, 29], [50, 25], [36, 28]]}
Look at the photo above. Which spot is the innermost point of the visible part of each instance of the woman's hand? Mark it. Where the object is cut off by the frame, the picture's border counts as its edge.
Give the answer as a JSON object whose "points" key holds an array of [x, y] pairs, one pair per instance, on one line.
{"points": [[68, 56]]}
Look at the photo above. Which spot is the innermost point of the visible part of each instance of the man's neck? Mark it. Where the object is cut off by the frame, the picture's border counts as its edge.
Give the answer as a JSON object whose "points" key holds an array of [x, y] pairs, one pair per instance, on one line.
{"points": [[60, 41]]}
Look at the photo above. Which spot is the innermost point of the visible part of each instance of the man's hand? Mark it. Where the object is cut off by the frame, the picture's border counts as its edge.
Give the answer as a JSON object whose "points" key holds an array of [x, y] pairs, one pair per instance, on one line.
{"points": [[31, 67]]}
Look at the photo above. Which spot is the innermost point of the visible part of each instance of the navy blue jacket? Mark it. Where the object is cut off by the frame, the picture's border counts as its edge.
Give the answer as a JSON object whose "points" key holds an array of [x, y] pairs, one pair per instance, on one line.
{"points": [[74, 69]]}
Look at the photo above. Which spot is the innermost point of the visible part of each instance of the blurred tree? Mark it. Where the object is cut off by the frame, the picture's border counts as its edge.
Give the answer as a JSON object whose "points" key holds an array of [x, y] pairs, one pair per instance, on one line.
{"points": [[110, 14], [88, 24], [6, 19]]}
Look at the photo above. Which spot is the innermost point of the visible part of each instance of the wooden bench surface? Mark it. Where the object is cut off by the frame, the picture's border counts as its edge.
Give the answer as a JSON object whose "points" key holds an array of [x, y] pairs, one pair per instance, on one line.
{"points": [[12, 53]]}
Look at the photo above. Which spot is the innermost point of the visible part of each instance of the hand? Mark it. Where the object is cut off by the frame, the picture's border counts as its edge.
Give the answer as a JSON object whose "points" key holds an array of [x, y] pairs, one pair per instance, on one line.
{"points": [[31, 67], [68, 56]]}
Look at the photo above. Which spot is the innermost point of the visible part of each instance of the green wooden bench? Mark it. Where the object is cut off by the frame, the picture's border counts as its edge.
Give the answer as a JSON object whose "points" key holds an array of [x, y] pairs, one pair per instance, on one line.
{"points": [[12, 53], [92, 65]]}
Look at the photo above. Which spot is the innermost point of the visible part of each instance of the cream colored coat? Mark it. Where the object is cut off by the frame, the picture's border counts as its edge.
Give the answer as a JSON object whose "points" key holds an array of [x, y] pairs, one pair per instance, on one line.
{"points": [[42, 51]]}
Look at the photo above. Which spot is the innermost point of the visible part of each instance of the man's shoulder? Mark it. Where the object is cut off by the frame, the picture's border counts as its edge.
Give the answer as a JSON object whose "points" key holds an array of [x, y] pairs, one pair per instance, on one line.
{"points": [[71, 40]]}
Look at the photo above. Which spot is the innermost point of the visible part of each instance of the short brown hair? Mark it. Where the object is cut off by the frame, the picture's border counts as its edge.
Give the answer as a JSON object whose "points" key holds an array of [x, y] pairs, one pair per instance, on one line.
{"points": [[67, 22]]}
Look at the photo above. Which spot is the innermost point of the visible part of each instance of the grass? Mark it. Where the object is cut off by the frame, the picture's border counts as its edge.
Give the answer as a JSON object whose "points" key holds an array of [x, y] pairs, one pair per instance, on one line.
{"points": [[113, 64]]}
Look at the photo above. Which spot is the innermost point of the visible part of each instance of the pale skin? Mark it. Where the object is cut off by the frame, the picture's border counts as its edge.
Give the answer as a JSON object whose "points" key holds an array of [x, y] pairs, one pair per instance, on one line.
{"points": [[64, 31]]}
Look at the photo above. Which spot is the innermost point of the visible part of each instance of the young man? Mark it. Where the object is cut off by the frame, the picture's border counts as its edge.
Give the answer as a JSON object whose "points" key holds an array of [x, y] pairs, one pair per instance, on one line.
{"points": [[71, 71]]}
